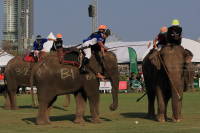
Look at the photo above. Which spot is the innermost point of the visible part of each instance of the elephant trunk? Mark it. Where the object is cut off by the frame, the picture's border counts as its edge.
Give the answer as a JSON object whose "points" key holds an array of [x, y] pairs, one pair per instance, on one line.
{"points": [[115, 85]]}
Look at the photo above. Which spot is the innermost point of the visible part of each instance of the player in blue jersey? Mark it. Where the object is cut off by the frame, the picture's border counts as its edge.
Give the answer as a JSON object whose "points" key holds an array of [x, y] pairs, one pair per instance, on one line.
{"points": [[93, 40], [38, 45]]}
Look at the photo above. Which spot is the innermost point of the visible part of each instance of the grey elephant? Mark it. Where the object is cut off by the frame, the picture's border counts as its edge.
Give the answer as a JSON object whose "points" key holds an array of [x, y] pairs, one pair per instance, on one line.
{"points": [[189, 77], [17, 74], [53, 79], [164, 77]]}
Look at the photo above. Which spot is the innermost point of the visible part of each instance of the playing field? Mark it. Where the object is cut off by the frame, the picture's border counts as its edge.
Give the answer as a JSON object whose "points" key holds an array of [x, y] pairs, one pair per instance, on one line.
{"points": [[122, 120]]}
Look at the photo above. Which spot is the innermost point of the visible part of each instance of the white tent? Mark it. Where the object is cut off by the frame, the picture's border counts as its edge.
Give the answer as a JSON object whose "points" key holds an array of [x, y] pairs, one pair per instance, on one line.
{"points": [[5, 58], [142, 50], [122, 52], [48, 44]]}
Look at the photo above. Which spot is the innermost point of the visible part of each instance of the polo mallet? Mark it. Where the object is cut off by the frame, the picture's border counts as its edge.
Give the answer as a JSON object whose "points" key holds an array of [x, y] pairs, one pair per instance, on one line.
{"points": [[141, 97]]}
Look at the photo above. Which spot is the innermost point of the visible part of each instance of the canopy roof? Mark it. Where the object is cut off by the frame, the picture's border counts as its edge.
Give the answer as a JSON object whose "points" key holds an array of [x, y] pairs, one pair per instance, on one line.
{"points": [[142, 49], [4, 58]]}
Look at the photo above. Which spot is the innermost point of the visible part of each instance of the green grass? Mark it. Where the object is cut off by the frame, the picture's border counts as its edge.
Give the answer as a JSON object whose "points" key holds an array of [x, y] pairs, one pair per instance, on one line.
{"points": [[121, 120]]}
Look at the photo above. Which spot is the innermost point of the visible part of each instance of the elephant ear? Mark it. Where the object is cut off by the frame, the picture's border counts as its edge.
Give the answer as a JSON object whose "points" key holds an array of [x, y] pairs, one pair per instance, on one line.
{"points": [[188, 56], [155, 60]]}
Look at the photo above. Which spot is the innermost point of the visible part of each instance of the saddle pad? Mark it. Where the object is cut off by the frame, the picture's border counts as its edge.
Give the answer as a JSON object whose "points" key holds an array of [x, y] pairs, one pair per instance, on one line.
{"points": [[29, 58], [70, 56]]}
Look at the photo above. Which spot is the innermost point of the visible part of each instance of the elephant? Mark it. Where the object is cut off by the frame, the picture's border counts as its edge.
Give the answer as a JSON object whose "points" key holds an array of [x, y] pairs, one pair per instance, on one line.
{"points": [[189, 77], [164, 77], [53, 79], [17, 74]]}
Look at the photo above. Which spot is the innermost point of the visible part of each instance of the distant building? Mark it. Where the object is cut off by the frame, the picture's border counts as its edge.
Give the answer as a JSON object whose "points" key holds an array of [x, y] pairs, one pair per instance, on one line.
{"points": [[18, 23]]}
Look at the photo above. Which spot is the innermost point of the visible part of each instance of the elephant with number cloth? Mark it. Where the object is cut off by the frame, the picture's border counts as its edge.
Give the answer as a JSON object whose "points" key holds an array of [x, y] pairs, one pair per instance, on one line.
{"points": [[17, 74], [53, 79], [164, 77]]}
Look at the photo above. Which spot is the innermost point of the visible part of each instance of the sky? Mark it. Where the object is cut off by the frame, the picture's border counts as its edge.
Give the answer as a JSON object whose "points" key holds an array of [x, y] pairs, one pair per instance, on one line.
{"points": [[131, 20]]}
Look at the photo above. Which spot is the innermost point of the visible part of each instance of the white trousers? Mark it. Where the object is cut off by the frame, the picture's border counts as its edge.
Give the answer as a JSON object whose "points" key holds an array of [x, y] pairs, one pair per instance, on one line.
{"points": [[87, 51], [37, 51]]}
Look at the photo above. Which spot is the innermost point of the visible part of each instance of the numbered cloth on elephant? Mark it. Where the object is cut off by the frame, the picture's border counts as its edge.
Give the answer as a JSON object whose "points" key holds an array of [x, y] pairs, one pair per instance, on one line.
{"points": [[71, 57]]}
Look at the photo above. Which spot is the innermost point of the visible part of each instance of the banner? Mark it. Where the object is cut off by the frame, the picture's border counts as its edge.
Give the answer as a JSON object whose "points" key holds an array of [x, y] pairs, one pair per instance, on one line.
{"points": [[122, 84], [133, 60], [105, 85]]}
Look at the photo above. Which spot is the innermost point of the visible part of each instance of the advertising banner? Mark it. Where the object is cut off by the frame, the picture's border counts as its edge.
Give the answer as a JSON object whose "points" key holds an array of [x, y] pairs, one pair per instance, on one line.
{"points": [[122, 84], [133, 60]]}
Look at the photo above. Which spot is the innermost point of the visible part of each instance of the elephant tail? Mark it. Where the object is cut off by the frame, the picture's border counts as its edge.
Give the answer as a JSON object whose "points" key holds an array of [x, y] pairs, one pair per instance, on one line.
{"points": [[31, 85]]}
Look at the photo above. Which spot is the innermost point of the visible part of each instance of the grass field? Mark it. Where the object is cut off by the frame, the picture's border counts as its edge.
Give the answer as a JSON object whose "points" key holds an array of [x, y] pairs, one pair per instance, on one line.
{"points": [[121, 120]]}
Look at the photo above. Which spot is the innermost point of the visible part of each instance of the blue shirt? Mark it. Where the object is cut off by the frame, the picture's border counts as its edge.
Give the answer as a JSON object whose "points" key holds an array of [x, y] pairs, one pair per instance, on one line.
{"points": [[37, 46], [93, 40]]}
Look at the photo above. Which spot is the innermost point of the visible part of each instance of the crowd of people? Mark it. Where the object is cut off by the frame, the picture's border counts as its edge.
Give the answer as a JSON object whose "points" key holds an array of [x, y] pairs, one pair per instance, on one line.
{"points": [[139, 79]]}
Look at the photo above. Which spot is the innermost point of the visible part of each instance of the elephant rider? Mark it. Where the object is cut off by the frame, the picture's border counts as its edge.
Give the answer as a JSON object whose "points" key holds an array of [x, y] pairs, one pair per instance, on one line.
{"points": [[161, 38], [57, 44], [38, 46], [94, 40], [174, 34], [97, 47]]}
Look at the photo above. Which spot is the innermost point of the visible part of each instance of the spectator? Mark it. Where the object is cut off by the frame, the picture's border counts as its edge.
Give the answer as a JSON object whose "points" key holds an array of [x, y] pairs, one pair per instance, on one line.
{"points": [[132, 78], [2, 76]]}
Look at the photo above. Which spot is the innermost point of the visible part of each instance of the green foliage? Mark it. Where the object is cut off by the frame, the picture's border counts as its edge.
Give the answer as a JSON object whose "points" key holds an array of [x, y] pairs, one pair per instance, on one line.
{"points": [[122, 77], [120, 121]]}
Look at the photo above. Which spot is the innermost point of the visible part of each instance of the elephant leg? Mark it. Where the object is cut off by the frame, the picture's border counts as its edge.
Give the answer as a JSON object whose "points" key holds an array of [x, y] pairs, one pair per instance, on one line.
{"points": [[42, 117], [151, 100], [192, 84], [176, 116], [94, 106], [13, 99], [176, 105], [7, 105], [67, 100], [81, 99], [49, 109], [151, 108], [167, 98], [161, 105]]}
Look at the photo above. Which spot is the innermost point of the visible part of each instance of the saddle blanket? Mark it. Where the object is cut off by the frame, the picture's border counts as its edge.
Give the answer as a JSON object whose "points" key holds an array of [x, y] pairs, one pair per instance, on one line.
{"points": [[29, 58], [70, 57]]}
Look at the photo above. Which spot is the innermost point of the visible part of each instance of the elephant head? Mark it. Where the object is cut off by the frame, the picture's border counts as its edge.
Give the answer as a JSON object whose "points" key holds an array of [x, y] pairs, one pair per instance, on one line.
{"points": [[185, 56], [110, 71]]}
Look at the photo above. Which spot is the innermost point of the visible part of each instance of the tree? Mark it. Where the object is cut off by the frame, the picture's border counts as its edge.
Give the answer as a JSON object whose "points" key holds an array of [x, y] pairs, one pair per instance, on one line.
{"points": [[8, 48]]}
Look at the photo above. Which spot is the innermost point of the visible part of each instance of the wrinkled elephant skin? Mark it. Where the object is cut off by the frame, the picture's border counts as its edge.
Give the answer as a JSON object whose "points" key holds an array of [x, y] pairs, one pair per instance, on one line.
{"points": [[164, 78], [56, 79]]}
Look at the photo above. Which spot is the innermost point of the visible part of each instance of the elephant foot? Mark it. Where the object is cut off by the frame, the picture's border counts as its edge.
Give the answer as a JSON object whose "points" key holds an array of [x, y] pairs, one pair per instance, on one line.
{"points": [[7, 107], [33, 105], [79, 121], [160, 118], [96, 120], [48, 121], [40, 122], [66, 105], [177, 119], [15, 108]]}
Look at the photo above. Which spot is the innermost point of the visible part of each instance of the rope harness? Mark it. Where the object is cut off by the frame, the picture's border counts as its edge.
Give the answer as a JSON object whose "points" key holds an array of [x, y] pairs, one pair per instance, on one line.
{"points": [[169, 76]]}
